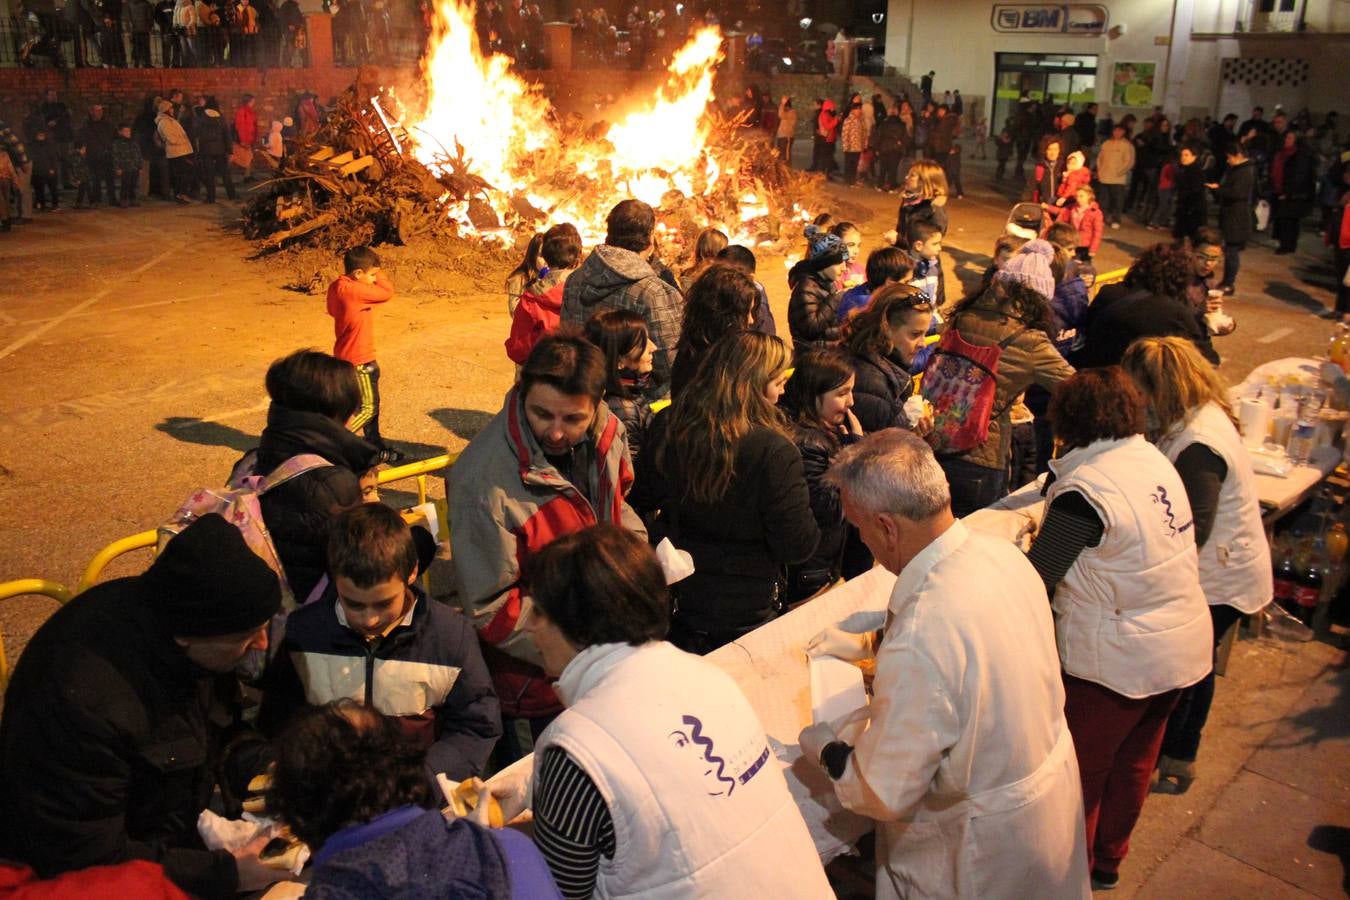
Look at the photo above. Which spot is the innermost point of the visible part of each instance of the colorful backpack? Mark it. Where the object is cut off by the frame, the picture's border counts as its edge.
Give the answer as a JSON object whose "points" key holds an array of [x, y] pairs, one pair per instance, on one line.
{"points": [[960, 382], [238, 503]]}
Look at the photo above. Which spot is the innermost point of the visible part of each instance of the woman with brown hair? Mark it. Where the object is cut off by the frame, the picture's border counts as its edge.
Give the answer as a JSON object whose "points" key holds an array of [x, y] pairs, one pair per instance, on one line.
{"points": [[1013, 313], [657, 779], [924, 197], [723, 480], [882, 341], [1152, 301], [720, 302], [1116, 550], [1194, 426], [711, 242], [819, 402]]}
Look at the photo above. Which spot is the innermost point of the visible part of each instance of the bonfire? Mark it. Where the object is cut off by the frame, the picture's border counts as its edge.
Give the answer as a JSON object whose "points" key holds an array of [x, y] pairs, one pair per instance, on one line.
{"points": [[485, 157]]}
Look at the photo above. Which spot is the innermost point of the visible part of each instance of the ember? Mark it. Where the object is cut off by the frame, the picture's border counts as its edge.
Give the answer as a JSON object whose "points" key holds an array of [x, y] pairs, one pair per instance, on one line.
{"points": [[488, 159]]}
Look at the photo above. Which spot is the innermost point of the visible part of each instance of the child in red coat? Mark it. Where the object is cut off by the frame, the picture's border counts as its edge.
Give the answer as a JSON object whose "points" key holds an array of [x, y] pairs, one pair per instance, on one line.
{"points": [[1085, 215], [539, 311], [1076, 175]]}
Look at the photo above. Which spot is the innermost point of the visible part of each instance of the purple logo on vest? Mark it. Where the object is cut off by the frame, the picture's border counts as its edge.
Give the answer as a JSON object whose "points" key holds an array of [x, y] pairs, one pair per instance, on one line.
{"points": [[1170, 517], [714, 766]]}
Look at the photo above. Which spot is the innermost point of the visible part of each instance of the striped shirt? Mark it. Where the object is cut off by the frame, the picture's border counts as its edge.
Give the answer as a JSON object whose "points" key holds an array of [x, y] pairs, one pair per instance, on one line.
{"points": [[572, 823]]}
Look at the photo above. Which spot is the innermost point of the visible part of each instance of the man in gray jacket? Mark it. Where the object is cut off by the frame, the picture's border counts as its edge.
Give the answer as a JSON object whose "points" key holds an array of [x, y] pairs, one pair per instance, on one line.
{"points": [[617, 276]]}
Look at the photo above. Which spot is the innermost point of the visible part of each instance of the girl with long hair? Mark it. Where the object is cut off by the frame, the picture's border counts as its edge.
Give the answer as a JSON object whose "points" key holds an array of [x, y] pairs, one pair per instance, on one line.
{"points": [[711, 242], [723, 480], [924, 196], [882, 342], [819, 403], [621, 334], [528, 270], [719, 302], [1193, 424]]}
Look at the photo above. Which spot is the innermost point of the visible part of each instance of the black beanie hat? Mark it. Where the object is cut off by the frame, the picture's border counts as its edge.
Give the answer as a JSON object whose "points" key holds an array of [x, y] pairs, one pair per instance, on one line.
{"points": [[208, 583]]}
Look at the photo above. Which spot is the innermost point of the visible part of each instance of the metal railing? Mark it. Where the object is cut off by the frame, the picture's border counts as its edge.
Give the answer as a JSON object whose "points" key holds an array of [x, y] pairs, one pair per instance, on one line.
{"points": [[27, 587], [145, 540]]}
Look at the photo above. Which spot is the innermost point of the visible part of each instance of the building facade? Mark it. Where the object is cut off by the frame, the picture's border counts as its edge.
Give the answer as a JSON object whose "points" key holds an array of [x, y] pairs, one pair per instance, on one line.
{"points": [[1190, 57]]}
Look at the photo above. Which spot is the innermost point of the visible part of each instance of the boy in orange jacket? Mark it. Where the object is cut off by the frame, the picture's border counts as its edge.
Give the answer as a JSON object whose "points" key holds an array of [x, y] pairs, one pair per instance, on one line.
{"points": [[352, 298]]}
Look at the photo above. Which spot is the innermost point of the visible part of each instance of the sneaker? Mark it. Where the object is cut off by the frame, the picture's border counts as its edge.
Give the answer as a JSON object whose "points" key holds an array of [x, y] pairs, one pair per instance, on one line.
{"points": [[181, 200], [1105, 881], [1115, 224], [1228, 290]]}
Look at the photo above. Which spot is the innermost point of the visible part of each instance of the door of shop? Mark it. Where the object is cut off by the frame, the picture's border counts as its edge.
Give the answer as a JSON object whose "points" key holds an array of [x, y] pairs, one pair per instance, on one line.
{"points": [[1055, 78]]}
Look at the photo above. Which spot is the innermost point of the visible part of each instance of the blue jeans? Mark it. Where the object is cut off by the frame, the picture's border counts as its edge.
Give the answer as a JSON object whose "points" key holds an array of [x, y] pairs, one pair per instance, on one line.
{"points": [[973, 486]]}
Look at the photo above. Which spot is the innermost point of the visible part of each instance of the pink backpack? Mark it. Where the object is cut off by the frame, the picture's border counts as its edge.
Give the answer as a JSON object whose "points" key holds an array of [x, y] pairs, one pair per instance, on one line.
{"points": [[960, 381], [238, 503]]}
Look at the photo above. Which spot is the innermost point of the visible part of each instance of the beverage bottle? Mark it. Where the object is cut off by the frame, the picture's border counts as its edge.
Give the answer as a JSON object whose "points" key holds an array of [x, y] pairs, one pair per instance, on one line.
{"points": [[1308, 592], [1286, 581], [1301, 441], [1338, 542]]}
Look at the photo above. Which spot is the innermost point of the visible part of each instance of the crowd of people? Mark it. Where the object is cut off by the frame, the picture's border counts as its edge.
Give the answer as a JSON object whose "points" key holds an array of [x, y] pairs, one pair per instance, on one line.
{"points": [[1277, 172], [163, 33], [176, 149], [1090, 170], [665, 476]]}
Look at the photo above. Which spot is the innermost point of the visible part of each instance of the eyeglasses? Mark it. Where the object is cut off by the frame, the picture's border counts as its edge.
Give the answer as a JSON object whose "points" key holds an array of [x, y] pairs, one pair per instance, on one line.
{"points": [[1215, 258]]}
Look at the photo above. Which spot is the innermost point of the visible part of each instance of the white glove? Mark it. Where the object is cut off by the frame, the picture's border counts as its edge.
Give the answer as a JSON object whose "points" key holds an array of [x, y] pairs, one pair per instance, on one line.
{"points": [[814, 739], [846, 645]]}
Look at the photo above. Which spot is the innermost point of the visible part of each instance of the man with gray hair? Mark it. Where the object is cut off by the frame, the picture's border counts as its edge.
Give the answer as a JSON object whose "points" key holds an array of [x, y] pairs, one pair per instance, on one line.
{"points": [[966, 764]]}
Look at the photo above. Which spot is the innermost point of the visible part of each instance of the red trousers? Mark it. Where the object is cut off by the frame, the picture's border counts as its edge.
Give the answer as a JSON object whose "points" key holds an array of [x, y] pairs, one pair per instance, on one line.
{"points": [[1117, 741]]}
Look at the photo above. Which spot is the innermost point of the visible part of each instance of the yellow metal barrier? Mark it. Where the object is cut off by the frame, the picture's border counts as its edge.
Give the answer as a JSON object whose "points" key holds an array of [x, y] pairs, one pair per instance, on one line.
{"points": [[23, 588], [147, 539], [418, 470], [1115, 276], [101, 559]]}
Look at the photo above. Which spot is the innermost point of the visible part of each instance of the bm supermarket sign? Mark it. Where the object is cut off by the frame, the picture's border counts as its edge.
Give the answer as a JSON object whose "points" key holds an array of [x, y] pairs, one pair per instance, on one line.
{"points": [[1060, 18]]}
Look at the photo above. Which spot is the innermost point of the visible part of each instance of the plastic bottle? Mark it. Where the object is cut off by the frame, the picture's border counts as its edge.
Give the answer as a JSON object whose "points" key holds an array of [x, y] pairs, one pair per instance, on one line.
{"points": [[1301, 441], [1338, 542], [1339, 345], [1286, 580], [1309, 592]]}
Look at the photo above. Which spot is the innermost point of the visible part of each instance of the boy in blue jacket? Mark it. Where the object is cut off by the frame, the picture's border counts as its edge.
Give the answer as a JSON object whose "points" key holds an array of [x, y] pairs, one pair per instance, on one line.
{"points": [[376, 638]]}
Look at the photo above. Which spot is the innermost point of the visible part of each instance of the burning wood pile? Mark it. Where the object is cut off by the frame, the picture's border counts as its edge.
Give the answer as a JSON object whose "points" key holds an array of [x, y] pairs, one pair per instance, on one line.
{"points": [[488, 159]]}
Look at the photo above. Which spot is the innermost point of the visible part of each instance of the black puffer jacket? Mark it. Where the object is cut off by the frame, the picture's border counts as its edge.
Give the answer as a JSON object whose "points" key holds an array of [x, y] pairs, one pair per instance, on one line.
{"points": [[109, 742], [212, 138], [298, 511], [1236, 192], [880, 388], [818, 449], [813, 319], [740, 543]]}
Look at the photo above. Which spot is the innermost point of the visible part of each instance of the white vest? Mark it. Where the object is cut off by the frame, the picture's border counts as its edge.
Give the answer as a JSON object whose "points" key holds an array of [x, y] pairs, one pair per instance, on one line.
{"points": [[1130, 614], [1235, 566], [699, 803]]}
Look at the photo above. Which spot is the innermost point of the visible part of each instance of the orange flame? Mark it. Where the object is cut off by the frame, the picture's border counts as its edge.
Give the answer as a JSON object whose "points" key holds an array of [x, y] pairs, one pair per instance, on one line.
{"points": [[480, 107]]}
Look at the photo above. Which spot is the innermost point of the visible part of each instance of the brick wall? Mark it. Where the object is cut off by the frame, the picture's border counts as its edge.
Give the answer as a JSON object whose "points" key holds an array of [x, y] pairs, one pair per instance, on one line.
{"points": [[123, 92]]}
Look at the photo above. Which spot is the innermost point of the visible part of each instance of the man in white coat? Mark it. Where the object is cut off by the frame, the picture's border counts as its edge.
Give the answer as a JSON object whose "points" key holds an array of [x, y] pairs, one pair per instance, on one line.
{"points": [[966, 764]]}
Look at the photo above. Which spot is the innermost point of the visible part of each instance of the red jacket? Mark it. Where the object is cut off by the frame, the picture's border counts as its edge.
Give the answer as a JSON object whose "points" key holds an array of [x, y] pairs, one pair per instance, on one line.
{"points": [[350, 303], [537, 315], [246, 125], [138, 878], [1078, 178], [1089, 222]]}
